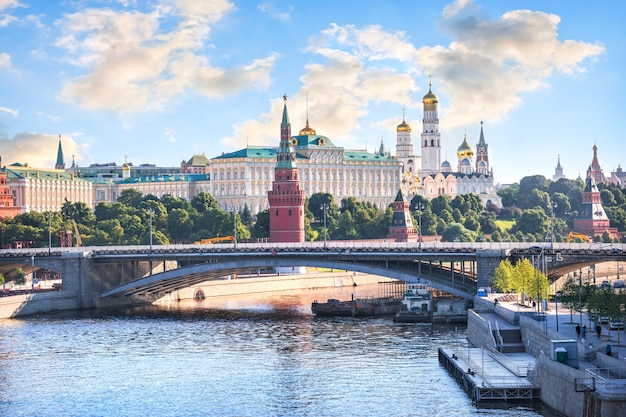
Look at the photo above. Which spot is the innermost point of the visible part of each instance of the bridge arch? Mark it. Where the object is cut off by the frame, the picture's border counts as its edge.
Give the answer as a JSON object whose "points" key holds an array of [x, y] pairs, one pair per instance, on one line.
{"points": [[437, 275]]}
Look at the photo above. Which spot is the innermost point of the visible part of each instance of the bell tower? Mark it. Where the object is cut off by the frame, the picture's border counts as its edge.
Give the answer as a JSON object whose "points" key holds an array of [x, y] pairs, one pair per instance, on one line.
{"points": [[431, 138]]}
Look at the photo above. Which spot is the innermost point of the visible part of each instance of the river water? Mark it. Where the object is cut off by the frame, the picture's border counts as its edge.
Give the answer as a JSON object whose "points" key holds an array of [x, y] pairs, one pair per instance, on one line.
{"points": [[246, 356]]}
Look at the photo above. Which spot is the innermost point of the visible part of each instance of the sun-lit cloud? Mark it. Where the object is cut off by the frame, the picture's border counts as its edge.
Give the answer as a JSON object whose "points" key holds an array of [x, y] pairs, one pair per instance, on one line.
{"points": [[133, 62], [483, 72], [6, 110], [7, 4], [272, 11], [5, 61], [19, 149]]}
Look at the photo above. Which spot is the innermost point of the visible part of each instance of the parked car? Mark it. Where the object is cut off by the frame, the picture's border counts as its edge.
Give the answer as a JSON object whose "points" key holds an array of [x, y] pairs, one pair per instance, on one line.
{"points": [[616, 325], [618, 284], [603, 320], [605, 284]]}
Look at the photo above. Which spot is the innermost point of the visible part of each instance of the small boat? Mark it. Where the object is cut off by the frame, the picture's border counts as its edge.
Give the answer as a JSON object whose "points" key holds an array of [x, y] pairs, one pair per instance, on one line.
{"points": [[416, 305]]}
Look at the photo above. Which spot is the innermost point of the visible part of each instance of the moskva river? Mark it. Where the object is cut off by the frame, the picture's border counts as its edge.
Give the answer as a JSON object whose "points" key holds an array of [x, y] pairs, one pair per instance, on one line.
{"points": [[259, 359]]}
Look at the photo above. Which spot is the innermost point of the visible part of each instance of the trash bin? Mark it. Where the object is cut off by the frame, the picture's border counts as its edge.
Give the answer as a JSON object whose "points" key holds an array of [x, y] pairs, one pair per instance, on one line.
{"points": [[561, 355]]}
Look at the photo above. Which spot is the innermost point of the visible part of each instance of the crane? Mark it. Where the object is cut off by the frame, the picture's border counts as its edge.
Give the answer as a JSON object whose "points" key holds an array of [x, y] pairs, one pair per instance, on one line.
{"points": [[215, 240], [575, 235]]}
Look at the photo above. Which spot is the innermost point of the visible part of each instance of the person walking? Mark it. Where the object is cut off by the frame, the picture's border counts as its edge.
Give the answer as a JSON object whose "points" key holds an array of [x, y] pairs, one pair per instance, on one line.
{"points": [[578, 331], [598, 330]]}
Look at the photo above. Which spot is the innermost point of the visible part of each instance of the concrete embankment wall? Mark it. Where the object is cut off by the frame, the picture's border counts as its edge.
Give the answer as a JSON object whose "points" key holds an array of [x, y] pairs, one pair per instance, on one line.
{"points": [[44, 302], [267, 284]]}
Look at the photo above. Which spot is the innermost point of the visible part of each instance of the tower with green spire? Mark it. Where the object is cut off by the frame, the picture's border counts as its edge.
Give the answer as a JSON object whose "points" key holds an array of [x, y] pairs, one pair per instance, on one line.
{"points": [[286, 198], [60, 162]]}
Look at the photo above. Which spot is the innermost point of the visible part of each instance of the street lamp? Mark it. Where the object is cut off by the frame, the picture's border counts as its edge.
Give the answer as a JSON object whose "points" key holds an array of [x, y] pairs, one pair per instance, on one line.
{"points": [[151, 213], [234, 228], [419, 208], [552, 207], [49, 232], [324, 207], [32, 267]]}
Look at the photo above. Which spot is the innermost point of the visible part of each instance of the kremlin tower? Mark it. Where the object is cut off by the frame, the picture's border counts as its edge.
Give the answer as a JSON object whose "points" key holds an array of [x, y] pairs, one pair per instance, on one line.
{"points": [[286, 198], [401, 228], [592, 219]]}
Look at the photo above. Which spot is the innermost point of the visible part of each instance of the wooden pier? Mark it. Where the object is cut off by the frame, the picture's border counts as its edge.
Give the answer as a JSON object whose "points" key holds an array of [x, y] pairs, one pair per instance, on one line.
{"points": [[485, 376]]}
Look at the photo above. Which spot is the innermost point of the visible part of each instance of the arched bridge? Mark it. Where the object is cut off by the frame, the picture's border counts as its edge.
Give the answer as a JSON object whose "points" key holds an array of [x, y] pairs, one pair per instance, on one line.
{"points": [[99, 275]]}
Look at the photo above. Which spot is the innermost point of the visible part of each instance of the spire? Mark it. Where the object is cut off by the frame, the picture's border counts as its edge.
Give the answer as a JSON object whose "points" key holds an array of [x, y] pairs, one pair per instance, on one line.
{"points": [[382, 151], [558, 164], [286, 157], [481, 141], [60, 163]]}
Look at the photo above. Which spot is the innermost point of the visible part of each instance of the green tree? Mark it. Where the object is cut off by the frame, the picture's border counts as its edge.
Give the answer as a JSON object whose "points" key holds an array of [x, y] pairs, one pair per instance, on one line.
{"points": [[526, 187], [487, 220], [130, 197], [503, 276], [532, 221], [456, 231], [19, 277], [179, 224], [261, 228], [316, 202], [509, 195], [204, 201]]}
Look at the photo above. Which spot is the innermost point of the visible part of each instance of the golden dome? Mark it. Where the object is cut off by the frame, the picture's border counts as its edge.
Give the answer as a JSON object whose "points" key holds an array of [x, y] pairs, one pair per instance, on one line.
{"points": [[430, 97], [465, 150], [308, 130], [404, 126]]}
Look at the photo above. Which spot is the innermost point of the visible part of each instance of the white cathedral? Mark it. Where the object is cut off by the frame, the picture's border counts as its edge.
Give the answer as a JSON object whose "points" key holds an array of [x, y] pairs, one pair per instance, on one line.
{"points": [[426, 175]]}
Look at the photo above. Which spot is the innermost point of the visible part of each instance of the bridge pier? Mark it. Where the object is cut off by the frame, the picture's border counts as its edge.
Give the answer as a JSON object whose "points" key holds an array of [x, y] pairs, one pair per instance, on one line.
{"points": [[487, 260]]}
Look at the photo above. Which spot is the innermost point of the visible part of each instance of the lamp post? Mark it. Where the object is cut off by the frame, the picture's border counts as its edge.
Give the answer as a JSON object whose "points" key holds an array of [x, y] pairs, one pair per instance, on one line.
{"points": [[151, 213], [49, 232], [553, 205], [419, 209], [34, 278], [324, 207], [234, 229]]}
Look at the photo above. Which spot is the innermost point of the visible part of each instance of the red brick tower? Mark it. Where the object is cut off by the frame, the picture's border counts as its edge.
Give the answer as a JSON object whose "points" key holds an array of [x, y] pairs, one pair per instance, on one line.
{"points": [[286, 198], [401, 228], [592, 219], [7, 207]]}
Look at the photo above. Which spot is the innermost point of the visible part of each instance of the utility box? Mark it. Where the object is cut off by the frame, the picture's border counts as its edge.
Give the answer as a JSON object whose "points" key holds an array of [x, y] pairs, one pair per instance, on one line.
{"points": [[565, 352], [561, 355]]}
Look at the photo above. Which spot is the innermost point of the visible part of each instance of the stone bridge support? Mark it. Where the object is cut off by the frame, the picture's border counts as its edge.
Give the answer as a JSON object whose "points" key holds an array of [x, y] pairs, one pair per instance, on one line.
{"points": [[86, 278], [487, 260]]}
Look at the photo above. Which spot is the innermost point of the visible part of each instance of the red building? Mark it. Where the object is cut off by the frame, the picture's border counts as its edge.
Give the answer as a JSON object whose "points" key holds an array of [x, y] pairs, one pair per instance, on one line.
{"points": [[401, 228], [286, 198], [592, 219], [7, 200]]}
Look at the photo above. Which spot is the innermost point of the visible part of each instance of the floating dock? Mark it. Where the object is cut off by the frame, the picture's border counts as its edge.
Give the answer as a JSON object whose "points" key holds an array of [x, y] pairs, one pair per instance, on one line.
{"points": [[487, 375]]}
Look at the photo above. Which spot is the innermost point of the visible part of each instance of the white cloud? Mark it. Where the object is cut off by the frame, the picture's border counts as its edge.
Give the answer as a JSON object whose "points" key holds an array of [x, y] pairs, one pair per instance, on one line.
{"points": [[483, 72], [271, 10], [5, 60], [5, 4], [134, 64], [20, 149], [6, 110]]}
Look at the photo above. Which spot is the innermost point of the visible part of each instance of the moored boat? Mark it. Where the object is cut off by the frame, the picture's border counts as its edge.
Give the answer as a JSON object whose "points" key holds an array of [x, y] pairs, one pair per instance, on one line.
{"points": [[361, 307], [416, 305]]}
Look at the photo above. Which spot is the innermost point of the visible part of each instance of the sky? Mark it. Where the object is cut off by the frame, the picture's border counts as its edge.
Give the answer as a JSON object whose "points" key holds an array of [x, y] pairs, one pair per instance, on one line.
{"points": [[154, 82]]}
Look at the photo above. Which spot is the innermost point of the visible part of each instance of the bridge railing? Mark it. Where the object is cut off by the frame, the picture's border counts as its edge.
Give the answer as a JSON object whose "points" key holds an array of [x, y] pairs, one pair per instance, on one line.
{"points": [[335, 245]]}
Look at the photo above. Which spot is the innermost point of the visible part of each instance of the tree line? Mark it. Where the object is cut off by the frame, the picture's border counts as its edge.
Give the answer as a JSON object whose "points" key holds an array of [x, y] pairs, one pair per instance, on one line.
{"points": [[536, 209]]}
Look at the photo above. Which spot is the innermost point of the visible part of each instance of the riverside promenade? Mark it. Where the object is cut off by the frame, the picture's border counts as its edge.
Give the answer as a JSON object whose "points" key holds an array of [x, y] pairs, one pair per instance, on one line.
{"points": [[512, 355]]}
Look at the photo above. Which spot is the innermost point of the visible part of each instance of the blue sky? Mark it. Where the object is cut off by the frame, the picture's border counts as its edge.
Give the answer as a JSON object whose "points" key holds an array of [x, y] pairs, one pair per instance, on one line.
{"points": [[157, 81]]}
